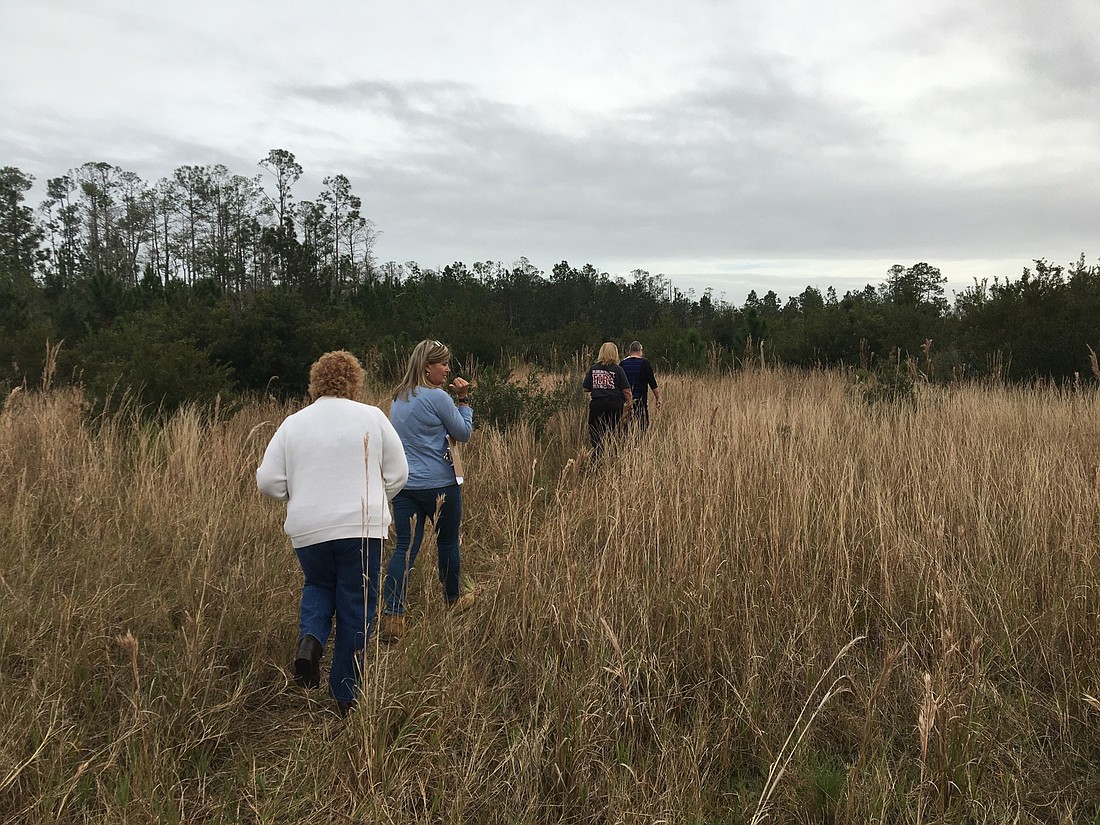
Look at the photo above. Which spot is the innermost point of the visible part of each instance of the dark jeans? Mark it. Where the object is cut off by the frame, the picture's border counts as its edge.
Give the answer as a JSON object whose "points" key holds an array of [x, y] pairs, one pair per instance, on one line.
{"points": [[603, 420], [641, 415], [334, 586], [417, 506]]}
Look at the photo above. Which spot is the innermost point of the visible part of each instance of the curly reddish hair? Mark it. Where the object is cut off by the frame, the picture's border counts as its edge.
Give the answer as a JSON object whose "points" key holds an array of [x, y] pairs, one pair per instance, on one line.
{"points": [[336, 373]]}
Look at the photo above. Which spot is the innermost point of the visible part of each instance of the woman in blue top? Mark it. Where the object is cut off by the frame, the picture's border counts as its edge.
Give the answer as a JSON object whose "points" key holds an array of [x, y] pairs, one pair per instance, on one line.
{"points": [[425, 416]]}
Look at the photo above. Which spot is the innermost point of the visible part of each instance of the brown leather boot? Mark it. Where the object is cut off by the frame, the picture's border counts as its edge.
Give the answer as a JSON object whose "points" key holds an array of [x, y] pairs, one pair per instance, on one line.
{"points": [[393, 629], [307, 662], [462, 603]]}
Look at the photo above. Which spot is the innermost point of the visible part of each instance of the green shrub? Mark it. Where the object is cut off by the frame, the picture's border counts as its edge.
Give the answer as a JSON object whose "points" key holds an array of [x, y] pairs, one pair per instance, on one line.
{"points": [[503, 401], [887, 386]]}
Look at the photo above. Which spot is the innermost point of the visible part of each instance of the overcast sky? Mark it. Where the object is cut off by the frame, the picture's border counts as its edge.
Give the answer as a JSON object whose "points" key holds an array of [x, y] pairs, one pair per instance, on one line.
{"points": [[732, 145]]}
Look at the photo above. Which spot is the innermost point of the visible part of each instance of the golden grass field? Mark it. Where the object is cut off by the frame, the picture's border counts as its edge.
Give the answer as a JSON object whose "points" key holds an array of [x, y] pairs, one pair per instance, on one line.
{"points": [[780, 606]]}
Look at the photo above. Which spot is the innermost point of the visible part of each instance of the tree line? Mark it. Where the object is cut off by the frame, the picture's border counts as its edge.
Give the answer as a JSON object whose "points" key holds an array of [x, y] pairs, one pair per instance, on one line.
{"points": [[208, 283]]}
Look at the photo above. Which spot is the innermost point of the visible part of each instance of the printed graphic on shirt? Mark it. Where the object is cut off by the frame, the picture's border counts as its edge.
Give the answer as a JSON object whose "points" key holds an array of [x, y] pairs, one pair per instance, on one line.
{"points": [[603, 380]]}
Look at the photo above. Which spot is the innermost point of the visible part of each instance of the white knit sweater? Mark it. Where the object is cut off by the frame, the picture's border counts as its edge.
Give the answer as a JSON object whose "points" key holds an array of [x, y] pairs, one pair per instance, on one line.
{"points": [[336, 463]]}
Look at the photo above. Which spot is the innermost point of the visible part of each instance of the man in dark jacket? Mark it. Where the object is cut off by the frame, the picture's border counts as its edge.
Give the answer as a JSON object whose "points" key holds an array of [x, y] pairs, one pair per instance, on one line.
{"points": [[639, 372]]}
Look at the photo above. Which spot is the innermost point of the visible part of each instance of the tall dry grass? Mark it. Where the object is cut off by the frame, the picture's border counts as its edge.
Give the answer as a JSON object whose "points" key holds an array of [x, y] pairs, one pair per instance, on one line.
{"points": [[778, 606]]}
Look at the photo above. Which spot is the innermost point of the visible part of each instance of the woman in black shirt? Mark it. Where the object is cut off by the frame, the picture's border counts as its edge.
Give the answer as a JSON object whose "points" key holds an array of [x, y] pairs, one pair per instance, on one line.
{"points": [[609, 393]]}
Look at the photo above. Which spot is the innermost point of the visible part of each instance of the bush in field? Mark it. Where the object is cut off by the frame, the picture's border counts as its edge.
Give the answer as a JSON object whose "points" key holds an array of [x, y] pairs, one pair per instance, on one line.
{"points": [[165, 366], [889, 385], [503, 401]]}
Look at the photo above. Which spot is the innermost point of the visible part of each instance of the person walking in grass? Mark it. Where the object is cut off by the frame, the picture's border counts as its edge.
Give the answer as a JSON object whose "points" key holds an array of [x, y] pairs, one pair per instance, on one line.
{"points": [[336, 463], [639, 372], [609, 397], [427, 419]]}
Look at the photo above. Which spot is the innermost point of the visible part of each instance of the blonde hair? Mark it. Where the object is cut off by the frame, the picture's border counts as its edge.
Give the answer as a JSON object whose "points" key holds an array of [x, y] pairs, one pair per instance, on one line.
{"points": [[424, 353], [609, 354], [336, 373]]}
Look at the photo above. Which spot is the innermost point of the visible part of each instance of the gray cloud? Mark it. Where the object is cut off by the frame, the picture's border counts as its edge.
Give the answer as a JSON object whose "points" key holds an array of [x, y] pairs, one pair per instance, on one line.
{"points": [[728, 170], [59, 147], [988, 149]]}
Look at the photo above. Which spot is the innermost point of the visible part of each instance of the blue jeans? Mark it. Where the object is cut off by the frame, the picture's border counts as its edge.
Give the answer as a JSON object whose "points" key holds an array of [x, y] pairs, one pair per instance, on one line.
{"points": [[420, 505], [334, 587]]}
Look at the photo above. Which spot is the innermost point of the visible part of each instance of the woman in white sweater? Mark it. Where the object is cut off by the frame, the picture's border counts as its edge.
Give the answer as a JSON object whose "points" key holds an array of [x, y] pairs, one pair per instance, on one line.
{"points": [[337, 463]]}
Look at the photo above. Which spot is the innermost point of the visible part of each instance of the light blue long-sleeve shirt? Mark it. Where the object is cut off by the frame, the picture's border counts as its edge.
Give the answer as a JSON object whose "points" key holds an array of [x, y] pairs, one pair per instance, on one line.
{"points": [[423, 421]]}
